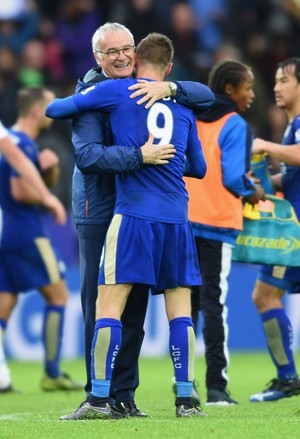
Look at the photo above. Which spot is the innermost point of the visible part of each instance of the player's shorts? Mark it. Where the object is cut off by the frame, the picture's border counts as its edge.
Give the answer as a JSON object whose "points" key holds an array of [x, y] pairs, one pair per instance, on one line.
{"points": [[31, 266], [285, 278], [158, 255]]}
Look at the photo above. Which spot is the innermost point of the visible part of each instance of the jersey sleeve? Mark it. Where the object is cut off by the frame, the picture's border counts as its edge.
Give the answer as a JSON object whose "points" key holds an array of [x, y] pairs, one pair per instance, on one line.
{"points": [[194, 95], [195, 165], [101, 96]]}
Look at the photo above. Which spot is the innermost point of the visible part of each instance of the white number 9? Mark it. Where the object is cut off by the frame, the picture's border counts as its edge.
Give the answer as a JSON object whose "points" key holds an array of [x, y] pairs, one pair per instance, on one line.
{"points": [[165, 132]]}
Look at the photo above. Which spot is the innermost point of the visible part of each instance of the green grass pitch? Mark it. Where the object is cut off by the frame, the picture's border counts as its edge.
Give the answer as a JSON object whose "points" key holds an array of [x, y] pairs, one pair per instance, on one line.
{"points": [[33, 414]]}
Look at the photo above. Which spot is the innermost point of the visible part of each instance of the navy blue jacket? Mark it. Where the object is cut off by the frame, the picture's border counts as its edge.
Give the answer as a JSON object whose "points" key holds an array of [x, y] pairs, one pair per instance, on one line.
{"points": [[93, 196]]}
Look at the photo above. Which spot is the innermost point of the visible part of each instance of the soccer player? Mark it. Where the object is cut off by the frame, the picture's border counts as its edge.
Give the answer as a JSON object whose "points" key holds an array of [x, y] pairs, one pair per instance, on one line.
{"points": [[227, 141], [20, 162], [272, 281], [27, 258], [93, 199], [149, 240]]}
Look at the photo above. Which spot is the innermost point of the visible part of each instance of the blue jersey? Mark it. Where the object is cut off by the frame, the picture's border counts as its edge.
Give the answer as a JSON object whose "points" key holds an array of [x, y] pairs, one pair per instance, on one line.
{"points": [[156, 193], [291, 174], [20, 223]]}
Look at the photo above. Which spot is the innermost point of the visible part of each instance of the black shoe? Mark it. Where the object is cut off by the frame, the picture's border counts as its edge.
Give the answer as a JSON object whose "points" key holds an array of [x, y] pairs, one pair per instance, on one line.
{"points": [[130, 408], [277, 389], [87, 411], [8, 389], [195, 393], [219, 397]]}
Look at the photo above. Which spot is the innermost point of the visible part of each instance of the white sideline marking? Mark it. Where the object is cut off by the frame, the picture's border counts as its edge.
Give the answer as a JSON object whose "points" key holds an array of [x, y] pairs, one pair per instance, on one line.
{"points": [[13, 416], [22, 416]]}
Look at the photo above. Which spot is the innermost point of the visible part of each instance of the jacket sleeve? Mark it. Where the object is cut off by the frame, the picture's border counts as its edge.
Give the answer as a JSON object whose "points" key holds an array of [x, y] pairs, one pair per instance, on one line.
{"points": [[90, 131], [194, 95], [235, 142]]}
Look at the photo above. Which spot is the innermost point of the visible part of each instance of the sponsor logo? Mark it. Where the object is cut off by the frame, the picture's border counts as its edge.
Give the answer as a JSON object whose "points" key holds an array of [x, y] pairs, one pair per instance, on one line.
{"points": [[284, 244]]}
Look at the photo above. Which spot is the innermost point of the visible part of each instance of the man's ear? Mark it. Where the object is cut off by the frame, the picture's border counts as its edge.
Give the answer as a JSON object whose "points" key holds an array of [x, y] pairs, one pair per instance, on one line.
{"points": [[97, 58], [169, 68]]}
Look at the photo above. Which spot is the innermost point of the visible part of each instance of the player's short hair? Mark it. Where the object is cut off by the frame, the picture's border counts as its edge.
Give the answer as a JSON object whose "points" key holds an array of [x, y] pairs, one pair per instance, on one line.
{"points": [[295, 61], [156, 49], [108, 27], [227, 71], [27, 97]]}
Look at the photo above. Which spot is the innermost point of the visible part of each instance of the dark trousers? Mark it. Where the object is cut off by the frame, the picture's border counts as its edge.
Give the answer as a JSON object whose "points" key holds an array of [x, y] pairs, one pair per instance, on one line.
{"points": [[125, 377], [210, 297]]}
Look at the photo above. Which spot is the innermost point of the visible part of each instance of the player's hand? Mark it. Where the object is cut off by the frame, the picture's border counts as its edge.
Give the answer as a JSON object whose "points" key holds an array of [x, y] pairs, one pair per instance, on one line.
{"points": [[156, 154], [52, 203], [151, 91], [258, 195], [258, 146], [48, 159]]}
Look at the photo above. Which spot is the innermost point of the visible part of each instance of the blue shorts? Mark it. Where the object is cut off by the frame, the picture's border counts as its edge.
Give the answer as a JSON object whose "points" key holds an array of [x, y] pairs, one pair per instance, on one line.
{"points": [[285, 278], [158, 255], [31, 266]]}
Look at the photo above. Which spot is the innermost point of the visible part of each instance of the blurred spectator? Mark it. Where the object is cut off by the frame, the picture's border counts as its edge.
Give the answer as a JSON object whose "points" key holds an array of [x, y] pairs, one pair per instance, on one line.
{"points": [[18, 23], [33, 66], [183, 35], [210, 17], [9, 85], [140, 18], [74, 28], [53, 49]]}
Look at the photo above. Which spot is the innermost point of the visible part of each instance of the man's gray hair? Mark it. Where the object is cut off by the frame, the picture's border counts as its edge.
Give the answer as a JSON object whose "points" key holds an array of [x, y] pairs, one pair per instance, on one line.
{"points": [[108, 27]]}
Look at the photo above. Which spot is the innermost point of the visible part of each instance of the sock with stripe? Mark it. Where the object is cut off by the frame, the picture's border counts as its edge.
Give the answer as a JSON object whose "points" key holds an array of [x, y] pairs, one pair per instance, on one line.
{"points": [[182, 350], [105, 347], [279, 334]]}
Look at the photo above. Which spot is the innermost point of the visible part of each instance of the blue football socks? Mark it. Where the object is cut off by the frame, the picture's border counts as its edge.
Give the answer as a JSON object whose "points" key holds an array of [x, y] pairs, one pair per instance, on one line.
{"points": [[279, 334], [182, 350], [52, 338], [105, 347]]}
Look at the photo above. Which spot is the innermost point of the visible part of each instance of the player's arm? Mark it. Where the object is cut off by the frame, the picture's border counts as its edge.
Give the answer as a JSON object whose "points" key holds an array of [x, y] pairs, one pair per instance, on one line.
{"points": [[191, 94], [289, 154], [24, 192], [17, 159], [101, 96], [21, 190]]}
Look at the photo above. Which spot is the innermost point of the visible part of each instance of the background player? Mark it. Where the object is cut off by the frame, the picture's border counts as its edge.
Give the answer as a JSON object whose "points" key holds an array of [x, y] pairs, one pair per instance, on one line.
{"points": [[27, 258], [272, 281], [19, 161]]}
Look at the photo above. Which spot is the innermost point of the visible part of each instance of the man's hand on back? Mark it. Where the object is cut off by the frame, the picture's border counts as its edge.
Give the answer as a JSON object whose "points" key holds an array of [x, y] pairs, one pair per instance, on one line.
{"points": [[156, 154], [151, 91]]}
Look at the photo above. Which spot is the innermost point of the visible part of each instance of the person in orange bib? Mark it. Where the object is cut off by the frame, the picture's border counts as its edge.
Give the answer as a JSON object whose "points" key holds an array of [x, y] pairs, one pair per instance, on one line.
{"points": [[215, 210]]}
